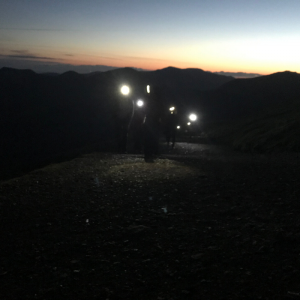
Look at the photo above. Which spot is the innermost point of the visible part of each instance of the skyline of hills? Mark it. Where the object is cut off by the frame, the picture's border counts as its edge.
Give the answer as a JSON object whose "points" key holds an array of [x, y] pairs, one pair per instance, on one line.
{"points": [[45, 116], [59, 68], [217, 95]]}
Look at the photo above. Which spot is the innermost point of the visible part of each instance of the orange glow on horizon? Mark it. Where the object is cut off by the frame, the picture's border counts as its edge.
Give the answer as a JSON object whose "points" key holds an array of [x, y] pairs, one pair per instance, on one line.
{"points": [[152, 64], [151, 61]]}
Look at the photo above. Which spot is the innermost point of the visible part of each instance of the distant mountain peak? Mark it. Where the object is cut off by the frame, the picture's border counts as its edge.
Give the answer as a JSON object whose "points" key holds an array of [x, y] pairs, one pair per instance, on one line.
{"points": [[178, 69], [69, 73], [169, 68], [17, 71]]}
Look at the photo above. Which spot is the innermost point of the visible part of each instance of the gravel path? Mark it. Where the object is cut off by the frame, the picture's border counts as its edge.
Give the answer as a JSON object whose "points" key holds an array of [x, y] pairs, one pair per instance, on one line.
{"points": [[201, 222]]}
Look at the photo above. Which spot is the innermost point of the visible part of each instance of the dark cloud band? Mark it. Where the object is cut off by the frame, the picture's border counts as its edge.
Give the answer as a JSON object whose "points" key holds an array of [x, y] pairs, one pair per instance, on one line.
{"points": [[30, 29], [27, 57]]}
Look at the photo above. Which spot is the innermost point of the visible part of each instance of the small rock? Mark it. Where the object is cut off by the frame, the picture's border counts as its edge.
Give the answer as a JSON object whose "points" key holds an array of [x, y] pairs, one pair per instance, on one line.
{"points": [[197, 256]]}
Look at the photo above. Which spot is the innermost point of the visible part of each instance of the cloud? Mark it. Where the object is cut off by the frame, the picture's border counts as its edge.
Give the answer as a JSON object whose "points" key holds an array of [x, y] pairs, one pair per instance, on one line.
{"points": [[29, 29], [20, 51], [142, 58], [24, 54], [28, 57], [48, 66]]}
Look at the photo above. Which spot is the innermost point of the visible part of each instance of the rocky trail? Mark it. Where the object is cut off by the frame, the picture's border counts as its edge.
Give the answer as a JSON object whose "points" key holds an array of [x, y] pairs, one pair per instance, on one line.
{"points": [[201, 222]]}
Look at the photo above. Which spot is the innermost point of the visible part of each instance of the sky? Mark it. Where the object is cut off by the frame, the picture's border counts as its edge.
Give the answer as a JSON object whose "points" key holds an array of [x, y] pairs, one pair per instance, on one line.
{"points": [[257, 36]]}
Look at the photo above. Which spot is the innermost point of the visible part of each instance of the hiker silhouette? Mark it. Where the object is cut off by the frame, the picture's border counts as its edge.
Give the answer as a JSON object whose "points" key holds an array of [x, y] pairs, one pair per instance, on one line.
{"points": [[152, 123], [125, 111], [171, 123], [137, 126]]}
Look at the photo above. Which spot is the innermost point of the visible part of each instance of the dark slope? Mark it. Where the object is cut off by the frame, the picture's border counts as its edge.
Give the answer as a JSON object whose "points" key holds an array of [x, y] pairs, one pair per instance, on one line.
{"points": [[44, 117], [246, 97], [261, 114]]}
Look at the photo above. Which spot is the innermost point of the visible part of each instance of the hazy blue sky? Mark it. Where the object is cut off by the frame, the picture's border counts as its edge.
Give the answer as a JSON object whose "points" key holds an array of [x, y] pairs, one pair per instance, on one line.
{"points": [[259, 36]]}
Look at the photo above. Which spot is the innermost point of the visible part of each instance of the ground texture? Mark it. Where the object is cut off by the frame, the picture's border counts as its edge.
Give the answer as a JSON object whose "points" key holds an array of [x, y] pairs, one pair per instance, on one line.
{"points": [[201, 222]]}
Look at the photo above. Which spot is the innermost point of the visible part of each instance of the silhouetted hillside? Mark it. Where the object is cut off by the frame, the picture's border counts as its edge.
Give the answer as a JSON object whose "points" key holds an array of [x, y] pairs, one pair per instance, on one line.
{"points": [[187, 79], [274, 130], [261, 114], [245, 97]]}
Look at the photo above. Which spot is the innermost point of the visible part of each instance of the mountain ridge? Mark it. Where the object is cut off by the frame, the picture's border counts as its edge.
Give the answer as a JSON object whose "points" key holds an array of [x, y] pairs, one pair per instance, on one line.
{"points": [[43, 117]]}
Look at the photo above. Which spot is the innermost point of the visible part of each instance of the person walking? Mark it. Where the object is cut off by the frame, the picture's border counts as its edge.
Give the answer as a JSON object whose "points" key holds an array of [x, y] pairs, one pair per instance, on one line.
{"points": [[124, 115], [171, 126], [152, 124]]}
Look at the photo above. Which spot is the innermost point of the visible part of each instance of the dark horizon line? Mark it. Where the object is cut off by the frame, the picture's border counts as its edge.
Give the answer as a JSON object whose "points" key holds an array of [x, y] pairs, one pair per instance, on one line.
{"points": [[41, 68]]}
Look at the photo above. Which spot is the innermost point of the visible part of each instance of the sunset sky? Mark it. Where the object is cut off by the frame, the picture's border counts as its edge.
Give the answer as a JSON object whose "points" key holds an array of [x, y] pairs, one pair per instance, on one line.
{"points": [[257, 36]]}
